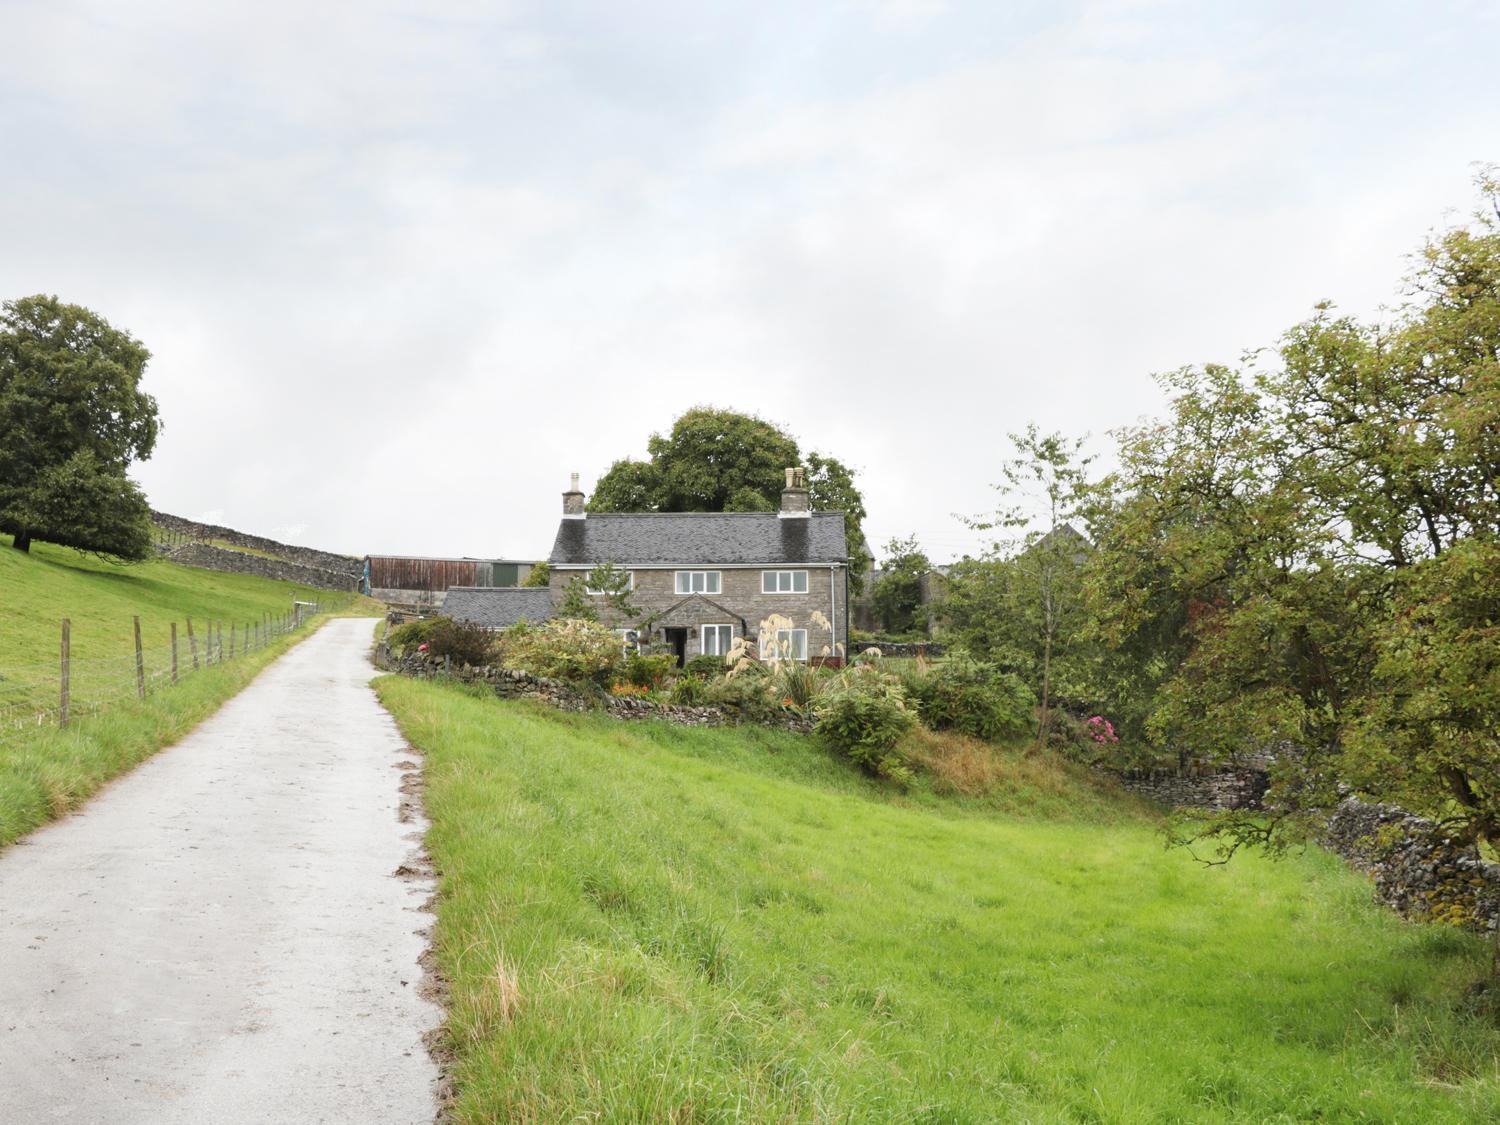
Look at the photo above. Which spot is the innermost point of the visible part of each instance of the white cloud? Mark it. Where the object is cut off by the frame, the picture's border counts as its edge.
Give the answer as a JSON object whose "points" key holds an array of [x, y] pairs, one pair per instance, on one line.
{"points": [[404, 267]]}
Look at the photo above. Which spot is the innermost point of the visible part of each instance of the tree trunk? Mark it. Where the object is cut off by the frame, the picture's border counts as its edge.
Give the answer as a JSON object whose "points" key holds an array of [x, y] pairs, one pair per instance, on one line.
{"points": [[22, 542]]}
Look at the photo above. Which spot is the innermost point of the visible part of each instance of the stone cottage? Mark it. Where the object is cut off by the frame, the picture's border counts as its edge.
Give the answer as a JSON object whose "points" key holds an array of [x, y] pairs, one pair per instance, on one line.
{"points": [[701, 580]]}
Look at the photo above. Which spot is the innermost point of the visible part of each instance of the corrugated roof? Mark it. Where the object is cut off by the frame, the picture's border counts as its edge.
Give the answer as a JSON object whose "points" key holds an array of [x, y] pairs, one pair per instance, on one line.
{"points": [[699, 539], [498, 607]]}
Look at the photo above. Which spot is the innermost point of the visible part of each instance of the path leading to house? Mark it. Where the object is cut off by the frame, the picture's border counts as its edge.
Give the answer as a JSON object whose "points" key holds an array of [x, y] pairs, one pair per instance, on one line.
{"points": [[220, 935]]}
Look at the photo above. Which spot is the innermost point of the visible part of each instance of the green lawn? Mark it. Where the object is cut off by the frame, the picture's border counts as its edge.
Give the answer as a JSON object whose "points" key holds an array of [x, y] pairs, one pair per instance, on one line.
{"points": [[647, 923]]}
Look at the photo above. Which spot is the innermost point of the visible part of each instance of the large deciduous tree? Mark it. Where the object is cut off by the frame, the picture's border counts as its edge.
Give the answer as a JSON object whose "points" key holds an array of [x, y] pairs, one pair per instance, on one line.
{"points": [[722, 461], [1308, 549], [72, 419]]}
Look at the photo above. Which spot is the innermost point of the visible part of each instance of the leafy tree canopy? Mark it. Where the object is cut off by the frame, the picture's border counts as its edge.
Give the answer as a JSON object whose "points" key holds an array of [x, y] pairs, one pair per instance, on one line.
{"points": [[72, 418], [723, 461], [898, 591], [1308, 549]]}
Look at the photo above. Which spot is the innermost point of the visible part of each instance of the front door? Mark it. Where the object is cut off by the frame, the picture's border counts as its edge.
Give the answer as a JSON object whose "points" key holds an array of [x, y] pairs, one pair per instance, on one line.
{"points": [[677, 638]]}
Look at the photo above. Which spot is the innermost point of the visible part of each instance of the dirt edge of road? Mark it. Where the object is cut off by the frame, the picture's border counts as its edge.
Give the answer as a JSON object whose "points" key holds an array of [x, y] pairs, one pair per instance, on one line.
{"points": [[422, 872]]}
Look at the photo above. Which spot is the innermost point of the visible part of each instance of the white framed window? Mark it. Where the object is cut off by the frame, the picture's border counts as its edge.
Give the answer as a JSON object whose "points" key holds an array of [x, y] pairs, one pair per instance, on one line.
{"points": [[629, 585], [630, 641], [717, 639], [791, 644], [783, 582], [698, 582]]}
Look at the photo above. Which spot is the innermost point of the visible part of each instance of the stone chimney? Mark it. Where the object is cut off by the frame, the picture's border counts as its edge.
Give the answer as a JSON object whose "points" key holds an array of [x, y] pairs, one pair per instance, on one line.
{"points": [[573, 502], [795, 501]]}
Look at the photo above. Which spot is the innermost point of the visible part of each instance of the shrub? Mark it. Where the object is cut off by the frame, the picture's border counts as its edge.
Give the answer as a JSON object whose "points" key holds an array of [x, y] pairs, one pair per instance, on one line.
{"points": [[796, 684], [691, 691], [461, 642], [863, 715], [404, 638], [706, 667], [747, 692], [974, 699], [564, 649], [647, 671]]}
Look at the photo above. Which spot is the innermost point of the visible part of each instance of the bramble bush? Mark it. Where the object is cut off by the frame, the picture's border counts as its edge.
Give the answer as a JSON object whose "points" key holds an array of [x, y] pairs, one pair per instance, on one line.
{"points": [[461, 642], [570, 649], [972, 698], [862, 715], [403, 638]]}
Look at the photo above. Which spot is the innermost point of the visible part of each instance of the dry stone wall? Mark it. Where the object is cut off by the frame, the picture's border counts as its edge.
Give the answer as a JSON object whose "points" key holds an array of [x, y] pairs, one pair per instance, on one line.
{"points": [[1418, 870], [510, 684], [1214, 789], [344, 565], [238, 562]]}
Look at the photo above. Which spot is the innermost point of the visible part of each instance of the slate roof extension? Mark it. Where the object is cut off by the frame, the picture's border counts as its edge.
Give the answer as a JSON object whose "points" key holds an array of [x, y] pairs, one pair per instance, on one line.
{"points": [[699, 538], [498, 607]]}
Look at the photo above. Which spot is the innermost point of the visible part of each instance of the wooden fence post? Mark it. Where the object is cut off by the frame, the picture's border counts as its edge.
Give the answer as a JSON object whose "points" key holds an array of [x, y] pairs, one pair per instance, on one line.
{"points": [[174, 652], [140, 665], [192, 643], [219, 632], [233, 625], [67, 662]]}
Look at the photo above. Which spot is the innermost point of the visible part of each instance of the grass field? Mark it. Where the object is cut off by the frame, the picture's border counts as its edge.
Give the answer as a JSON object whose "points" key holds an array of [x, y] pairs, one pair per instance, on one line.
{"points": [[38, 590], [649, 923], [44, 771]]}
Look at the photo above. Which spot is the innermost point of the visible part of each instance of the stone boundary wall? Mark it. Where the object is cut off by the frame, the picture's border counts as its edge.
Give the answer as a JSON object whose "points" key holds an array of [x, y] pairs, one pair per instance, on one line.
{"points": [[203, 556], [929, 649], [1418, 870], [509, 684], [345, 565], [1215, 789]]}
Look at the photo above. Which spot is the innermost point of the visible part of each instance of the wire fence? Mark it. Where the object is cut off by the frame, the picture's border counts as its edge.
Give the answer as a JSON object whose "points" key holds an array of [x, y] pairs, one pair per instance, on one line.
{"points": [[65, 689]]}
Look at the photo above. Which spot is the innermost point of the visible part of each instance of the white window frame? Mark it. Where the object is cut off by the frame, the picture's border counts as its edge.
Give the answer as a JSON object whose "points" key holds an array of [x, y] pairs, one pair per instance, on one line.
{"points": [[710, 577], [770, 581], [626, 647], [629, 585], [794, 635], [703, 632]]}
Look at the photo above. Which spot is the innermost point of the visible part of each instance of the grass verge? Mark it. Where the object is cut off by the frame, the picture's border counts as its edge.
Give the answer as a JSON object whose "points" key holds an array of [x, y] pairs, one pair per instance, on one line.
{"points": [[54, 771], [651, 923]]}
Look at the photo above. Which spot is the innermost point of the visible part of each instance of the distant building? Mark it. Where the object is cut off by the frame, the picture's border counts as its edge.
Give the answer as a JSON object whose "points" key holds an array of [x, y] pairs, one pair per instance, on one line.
{"points": [[423, 583]]}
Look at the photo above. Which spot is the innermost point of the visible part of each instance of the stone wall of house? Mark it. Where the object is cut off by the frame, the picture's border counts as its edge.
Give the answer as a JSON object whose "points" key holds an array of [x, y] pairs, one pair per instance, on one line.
{"points": [[1214, 789], [510, 684], [1418, 870], [238, 562], [345, 565]]}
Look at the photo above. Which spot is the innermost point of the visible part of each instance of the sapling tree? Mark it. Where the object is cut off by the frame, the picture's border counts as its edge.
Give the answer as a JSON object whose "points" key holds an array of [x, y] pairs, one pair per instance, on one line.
{"points": [[1042, 488]]}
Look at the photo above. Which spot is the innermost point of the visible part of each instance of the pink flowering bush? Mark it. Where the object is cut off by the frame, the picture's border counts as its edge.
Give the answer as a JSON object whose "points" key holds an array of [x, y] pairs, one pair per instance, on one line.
{"points": [[1101, 730]]}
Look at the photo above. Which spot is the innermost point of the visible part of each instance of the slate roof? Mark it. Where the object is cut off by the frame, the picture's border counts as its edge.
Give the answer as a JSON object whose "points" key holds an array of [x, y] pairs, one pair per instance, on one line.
{"points": [[497, 607], [699, 539]]}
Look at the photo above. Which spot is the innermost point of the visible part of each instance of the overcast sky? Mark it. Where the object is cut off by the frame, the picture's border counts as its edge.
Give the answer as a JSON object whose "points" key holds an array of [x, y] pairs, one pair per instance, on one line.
{"points": [[404, 266]]}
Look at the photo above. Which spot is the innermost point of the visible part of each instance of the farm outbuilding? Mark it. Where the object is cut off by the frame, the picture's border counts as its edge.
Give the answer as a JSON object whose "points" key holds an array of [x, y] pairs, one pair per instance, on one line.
{"points": [[424, 582]]}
